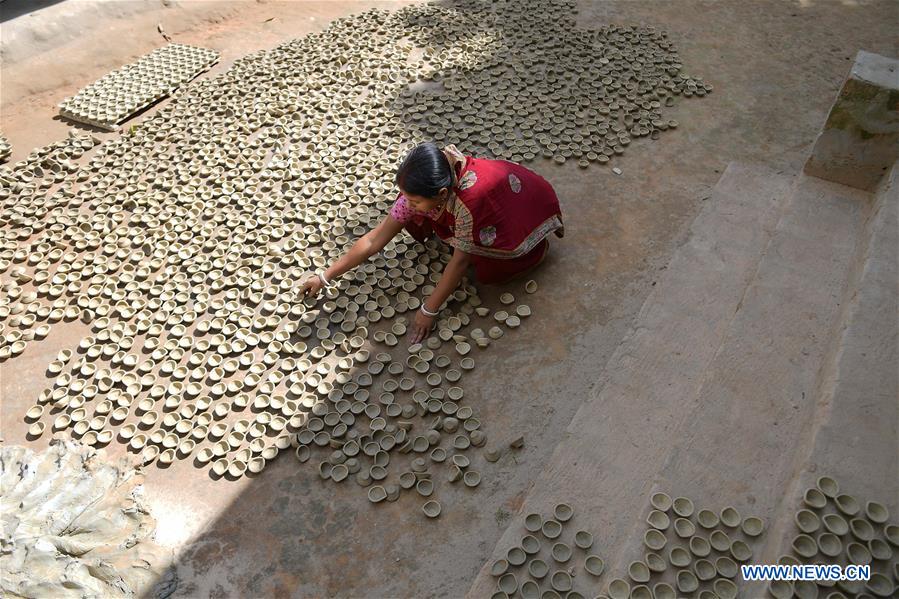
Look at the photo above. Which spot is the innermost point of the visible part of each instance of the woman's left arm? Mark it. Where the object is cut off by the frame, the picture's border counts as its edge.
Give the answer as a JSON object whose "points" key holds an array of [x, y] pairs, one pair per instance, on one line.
{"points": [[449, 280]]}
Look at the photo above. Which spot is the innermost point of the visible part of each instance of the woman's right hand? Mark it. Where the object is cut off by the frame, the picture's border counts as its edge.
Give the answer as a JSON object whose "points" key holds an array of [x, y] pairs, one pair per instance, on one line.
{"points": [[312, 286]]}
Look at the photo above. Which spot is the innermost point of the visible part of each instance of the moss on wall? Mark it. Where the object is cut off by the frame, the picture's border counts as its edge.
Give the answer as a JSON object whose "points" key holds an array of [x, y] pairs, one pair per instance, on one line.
{"points": [[866, 110]]}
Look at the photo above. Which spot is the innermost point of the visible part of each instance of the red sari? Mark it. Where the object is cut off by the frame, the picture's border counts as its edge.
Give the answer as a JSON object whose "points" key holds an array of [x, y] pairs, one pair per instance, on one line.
{"points": [[499, 212]]}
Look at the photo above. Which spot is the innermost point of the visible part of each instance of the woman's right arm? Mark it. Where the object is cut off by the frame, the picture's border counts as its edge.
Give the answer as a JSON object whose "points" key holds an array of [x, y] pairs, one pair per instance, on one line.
{"points": [[365, 247]]}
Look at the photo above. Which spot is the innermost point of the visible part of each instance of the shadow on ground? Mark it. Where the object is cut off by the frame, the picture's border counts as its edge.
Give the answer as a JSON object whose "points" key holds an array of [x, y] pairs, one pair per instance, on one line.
{"points": [[10, 9]]}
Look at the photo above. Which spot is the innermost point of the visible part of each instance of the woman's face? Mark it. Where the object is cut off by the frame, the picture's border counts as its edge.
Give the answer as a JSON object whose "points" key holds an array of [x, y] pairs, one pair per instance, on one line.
{"points": [[425, 204]]}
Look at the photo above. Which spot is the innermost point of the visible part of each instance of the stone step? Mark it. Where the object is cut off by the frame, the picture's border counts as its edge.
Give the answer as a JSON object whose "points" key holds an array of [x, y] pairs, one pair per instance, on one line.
{"points": [[618, 441], [855, 422], [749, 427]]}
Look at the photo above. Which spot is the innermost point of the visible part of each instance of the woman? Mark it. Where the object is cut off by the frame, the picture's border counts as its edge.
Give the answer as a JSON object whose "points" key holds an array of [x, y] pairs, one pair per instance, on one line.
{"points": [[496, 215]]}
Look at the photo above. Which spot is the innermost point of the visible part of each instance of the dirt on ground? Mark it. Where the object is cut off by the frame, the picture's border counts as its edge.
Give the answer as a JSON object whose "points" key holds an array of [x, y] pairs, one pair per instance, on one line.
{"points": [[776, 67]]}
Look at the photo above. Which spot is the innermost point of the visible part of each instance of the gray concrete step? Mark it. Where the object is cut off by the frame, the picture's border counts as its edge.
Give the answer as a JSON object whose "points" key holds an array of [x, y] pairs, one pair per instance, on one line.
{"points": [[762, 357], [854, 435], [749, 427], [630, 428], [857, 440]]}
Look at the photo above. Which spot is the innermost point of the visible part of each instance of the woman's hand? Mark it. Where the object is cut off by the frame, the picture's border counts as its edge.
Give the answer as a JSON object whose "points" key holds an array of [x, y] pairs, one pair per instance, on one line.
{"points": [[449, 280], [312, 286], [421, 327]]}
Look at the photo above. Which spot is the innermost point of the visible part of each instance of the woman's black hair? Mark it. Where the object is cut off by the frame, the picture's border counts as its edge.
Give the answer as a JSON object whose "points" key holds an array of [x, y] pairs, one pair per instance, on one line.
{"points": [[424, 171]]}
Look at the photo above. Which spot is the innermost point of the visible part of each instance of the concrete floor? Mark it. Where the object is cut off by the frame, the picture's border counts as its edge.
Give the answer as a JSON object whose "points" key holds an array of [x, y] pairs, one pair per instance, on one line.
{"points": [[776, 67]]}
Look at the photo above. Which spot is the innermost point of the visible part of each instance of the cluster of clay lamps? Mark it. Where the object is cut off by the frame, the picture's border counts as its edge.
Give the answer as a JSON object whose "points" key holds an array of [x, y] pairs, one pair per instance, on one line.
{"points": [[112, 99], [545, 560], [834, 527], [688, 552], [567, 93], [5, 148], [179, 246]]}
